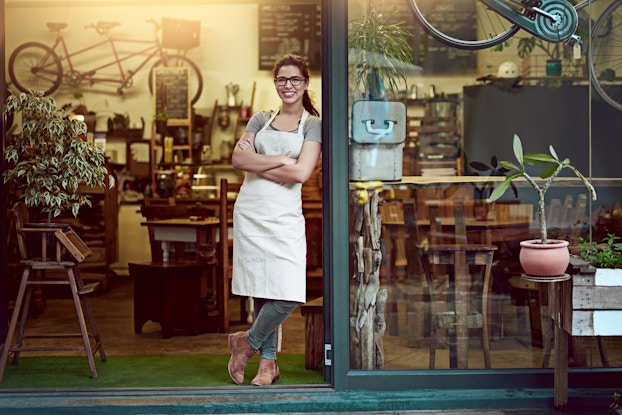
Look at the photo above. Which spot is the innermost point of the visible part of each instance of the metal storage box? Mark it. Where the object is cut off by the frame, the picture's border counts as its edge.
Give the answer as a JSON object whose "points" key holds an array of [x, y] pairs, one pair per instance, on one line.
{"points": [[377, 143]]}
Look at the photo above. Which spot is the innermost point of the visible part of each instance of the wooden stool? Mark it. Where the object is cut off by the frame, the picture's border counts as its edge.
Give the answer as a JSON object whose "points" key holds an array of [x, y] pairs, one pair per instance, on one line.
{"points": [[34, 275], [170, 294], [313, 312], [59, 248]]}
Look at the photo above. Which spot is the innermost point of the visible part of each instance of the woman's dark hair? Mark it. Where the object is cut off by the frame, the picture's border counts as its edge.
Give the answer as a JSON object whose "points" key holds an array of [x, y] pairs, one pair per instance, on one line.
{"points": [[299, 62]]}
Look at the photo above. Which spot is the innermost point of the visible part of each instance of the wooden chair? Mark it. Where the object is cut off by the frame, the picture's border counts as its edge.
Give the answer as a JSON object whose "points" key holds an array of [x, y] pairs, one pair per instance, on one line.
{"points": [[228, 194], [459, 256], [58, 250]]}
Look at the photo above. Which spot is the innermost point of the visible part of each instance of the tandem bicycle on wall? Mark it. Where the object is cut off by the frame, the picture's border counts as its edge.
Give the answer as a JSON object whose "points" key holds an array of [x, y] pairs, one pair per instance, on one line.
{"points": [[37, 66], [495, 21]]}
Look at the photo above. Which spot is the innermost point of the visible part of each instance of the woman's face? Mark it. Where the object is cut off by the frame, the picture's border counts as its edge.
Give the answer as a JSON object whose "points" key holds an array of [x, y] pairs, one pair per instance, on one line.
{"points": [[290, 93]]}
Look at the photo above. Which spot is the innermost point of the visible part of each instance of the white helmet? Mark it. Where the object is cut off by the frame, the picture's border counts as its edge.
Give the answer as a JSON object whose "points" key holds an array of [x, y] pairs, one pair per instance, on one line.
{"points": [[508, 70]]}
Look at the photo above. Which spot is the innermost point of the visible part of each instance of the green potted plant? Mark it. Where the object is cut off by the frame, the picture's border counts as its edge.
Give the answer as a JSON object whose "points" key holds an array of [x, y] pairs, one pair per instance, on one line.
{"points": [[161, 119], [50, 158], [553, 52], [606, 254], [380, 57], [484, 189], [551, 165]]}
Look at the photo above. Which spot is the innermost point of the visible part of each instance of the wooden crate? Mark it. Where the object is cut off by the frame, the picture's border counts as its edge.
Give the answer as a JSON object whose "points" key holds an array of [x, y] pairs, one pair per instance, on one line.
{"points": [[593, 307]]}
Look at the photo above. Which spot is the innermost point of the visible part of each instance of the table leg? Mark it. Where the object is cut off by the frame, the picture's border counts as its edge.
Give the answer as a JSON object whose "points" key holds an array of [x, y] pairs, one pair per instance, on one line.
{"points": [[165, 251], [560, 399], [461, 308]]}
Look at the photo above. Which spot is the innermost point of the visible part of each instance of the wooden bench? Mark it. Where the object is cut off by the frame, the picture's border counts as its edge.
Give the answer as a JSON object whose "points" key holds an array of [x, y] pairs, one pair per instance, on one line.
{"points": [[313, 312]]}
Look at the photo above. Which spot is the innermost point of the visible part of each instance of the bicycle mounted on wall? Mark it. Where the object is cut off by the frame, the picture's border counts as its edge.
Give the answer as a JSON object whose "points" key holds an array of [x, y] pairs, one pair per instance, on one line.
{"points": [[36, 66], [550, 20]]}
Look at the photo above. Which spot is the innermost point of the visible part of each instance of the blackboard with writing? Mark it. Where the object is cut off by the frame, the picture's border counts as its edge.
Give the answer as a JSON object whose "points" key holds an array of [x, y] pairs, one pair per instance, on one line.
{"points": [[171, 92], [289, 28], [433, 56]]}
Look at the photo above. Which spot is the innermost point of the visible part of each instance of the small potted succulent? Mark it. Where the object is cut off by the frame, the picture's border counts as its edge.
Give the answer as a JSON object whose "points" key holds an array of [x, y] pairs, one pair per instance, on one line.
{"points": [[50, 159], [551, 165]]}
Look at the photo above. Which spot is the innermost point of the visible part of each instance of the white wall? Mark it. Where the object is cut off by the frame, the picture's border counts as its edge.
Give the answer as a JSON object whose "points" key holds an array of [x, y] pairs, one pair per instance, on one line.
{"points": [[228, 51]]}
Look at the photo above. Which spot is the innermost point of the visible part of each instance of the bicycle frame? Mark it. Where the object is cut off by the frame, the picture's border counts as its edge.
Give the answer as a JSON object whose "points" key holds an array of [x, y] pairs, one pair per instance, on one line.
{"points": [[153, 50], [530, 24]]}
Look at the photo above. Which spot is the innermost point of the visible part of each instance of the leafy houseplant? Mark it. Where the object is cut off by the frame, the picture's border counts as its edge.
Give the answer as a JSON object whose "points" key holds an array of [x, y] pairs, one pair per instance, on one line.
{"points": [[380, 55], [484, 189], [607, 254], [51, 158], [553, 51], [551, 165], [161, 119]]}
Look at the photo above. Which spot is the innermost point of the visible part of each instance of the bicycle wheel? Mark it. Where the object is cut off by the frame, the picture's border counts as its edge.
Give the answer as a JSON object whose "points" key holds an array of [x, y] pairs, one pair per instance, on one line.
{"points": [[35, 66], [605, 55], [486, 30], [196, 80]]}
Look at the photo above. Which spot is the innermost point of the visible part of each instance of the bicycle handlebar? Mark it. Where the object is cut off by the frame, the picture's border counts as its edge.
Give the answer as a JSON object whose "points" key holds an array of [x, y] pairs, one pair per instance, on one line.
{"points": [[155, 23]]}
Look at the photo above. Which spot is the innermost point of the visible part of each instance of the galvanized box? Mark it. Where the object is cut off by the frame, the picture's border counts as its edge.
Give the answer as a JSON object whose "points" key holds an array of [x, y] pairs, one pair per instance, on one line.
{"points": [[377, 142]]}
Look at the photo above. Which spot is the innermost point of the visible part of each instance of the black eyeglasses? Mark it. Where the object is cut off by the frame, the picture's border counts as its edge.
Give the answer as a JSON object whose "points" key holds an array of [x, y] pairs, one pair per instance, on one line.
{"points": [[294, 80]]}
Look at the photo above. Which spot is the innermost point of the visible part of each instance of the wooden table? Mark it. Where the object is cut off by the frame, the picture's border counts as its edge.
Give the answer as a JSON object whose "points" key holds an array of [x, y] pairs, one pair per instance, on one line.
{"points": [[168, 231], [203, 233], [485, 232]]}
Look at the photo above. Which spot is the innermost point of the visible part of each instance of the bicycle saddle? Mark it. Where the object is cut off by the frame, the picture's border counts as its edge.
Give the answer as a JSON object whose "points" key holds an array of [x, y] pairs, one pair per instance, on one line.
{"points": [[56, 27]]}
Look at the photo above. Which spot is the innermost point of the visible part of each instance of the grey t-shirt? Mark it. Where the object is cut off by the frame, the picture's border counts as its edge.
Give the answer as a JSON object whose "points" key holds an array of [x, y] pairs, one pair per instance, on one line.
{"points": [[312, 129]]}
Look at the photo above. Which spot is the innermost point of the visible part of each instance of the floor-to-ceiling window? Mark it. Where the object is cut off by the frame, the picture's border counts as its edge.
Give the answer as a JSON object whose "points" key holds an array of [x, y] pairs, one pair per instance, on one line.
{"points": [[443, 125]]}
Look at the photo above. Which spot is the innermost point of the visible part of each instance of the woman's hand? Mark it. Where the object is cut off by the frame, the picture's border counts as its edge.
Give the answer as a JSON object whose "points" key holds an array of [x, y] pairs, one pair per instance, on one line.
{"points": [[246, 143]]}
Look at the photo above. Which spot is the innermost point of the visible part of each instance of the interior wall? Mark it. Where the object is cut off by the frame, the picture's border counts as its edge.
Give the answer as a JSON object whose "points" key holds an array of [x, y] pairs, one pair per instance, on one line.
{"points": [[228, 51]]}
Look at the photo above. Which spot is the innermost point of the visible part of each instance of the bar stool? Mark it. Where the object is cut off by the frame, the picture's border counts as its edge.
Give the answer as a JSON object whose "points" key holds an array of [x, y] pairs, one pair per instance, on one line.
{"points": [[61, 249]]}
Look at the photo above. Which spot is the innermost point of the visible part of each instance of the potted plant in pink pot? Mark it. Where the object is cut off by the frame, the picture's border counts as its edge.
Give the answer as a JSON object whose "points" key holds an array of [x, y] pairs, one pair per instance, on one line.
{"points": [[541, 257]]}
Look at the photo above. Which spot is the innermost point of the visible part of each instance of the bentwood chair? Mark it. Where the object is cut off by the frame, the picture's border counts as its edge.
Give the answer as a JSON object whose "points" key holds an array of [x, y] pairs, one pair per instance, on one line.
{"points": [[228, 194], [460, 257]]}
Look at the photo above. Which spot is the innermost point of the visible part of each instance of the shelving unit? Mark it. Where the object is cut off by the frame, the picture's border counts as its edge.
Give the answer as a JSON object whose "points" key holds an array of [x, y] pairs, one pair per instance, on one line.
{"points": [[433, 141], [172, 149], [243, 120]]}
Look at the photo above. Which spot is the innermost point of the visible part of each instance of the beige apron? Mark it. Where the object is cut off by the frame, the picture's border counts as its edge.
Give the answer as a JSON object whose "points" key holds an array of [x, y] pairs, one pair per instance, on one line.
{"points": [[269, 244]]}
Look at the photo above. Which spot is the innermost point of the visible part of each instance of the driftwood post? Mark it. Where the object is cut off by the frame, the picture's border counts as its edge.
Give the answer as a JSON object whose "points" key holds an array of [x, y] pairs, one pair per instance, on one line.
{"points": [[367, 322]]}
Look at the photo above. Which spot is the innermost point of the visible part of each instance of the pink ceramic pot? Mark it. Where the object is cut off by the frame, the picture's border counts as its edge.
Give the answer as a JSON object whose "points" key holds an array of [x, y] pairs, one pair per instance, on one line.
{"points": [[549, 260]]}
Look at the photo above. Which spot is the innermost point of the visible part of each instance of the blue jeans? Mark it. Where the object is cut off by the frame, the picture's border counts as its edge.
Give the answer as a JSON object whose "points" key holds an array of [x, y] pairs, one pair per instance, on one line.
{"points": [[269, 314]]}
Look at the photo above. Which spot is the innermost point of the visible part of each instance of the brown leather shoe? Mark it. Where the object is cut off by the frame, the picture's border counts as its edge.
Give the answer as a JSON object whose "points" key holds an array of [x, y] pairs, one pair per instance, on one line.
{"points": [[241, 352], [268, 373]]}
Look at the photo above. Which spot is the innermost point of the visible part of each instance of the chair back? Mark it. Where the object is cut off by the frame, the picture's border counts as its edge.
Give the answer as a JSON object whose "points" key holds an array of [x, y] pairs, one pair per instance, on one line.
{"points": [[228, 193], [436, 228], [21, 218], [225, 245]]}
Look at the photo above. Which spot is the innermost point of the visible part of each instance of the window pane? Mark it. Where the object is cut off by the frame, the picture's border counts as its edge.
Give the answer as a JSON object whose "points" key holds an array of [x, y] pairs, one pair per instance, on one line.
{"points": [[454, 296]]}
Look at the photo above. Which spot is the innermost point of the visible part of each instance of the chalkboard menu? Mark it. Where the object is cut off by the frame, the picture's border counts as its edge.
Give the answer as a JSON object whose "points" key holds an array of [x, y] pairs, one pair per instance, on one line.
{"points": [[171, 92], [289, 28], [433, 56]]}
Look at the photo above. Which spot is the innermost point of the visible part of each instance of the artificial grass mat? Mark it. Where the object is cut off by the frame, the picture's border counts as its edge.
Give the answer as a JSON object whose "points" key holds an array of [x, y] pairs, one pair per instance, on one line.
{"points": [[54, 372]]}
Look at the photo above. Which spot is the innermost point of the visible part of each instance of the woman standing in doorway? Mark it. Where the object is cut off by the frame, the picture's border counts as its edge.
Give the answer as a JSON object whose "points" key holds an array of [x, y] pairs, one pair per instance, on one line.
{"points": [[278, 152]]}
